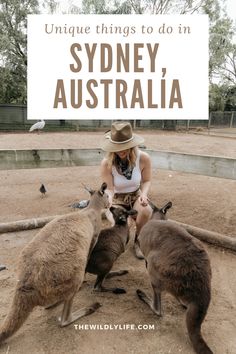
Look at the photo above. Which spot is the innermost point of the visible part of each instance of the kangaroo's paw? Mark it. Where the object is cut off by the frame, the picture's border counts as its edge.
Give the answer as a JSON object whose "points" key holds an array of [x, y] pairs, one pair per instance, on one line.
{"points": [[80, 313], [142, 296], [119, 291]]}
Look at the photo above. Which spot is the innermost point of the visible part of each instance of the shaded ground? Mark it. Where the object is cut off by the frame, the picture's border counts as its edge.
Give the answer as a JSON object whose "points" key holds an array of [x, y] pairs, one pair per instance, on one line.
{"points": [[198, 200]]}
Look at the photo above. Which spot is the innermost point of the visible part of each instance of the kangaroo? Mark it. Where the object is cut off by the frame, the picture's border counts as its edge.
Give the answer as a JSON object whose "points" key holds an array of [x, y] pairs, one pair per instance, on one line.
{"points": [[110, 245], [52, 265], [177, 263]]}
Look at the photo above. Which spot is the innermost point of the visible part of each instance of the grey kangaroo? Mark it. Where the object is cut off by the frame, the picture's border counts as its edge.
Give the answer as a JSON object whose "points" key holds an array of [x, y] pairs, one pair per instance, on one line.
{"points": [[52, 265], [110, 245], [177, 263]]}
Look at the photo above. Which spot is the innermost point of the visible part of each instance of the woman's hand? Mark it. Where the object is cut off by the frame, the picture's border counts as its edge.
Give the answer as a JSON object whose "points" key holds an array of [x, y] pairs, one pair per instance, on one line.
{"points": [[143, 199], [145, 165]]}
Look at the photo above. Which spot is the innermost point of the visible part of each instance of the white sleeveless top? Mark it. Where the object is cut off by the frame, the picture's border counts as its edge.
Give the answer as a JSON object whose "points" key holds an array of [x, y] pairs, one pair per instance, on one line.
{"points": [[124, 185]]}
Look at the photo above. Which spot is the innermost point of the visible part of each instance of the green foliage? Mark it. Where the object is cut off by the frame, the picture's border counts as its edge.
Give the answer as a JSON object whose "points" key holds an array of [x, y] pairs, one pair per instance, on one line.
{"points": [[50, 6], [13, 41], [13, 26], [217, 97], [230, 104], [106, 7], [222, 51], [222, 98], [210, 7], [95, 7], [126, 7], [12, 86]]}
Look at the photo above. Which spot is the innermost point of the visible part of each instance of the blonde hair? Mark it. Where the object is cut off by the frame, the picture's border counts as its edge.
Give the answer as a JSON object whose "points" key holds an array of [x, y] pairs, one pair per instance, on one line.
{"points": [[111, 157]]}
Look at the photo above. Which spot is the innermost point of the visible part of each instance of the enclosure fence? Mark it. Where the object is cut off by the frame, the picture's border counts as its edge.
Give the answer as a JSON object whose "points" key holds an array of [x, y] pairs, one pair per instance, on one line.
{"points": [[14, 117]]}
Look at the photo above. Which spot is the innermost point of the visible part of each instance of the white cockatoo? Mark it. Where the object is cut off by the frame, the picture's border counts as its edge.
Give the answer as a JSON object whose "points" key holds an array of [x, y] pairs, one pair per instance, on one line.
{"points": [[37, 126]]}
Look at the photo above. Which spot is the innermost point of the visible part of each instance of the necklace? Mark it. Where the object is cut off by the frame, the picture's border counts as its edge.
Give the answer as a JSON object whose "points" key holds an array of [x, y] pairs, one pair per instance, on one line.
{"points": [[124, 167]]}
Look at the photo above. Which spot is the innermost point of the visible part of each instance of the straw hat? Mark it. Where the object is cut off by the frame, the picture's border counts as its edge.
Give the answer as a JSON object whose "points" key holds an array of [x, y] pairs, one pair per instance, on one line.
{"points": [[121, 138]]}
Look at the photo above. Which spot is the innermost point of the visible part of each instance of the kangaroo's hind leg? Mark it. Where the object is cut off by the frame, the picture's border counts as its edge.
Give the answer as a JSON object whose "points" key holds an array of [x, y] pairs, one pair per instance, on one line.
{"points": [[156, 300], [69, 317], [99, 287], [155, 304]]}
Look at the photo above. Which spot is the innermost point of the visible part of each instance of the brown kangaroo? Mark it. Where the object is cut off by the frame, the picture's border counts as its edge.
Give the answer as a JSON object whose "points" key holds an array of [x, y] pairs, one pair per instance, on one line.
{"points": [[177, 263], [52, 265], [110, 245]]}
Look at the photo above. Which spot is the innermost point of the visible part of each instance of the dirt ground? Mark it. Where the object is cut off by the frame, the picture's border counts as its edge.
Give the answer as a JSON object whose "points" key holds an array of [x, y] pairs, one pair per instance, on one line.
{"points": [[202, 201]]}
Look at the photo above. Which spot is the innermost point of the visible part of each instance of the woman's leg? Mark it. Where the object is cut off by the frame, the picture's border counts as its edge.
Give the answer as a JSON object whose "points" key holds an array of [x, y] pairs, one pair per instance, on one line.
{"points": [[144, 214]]}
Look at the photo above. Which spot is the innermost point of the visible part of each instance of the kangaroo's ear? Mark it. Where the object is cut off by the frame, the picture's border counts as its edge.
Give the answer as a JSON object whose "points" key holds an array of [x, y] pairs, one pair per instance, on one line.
{"points": [[166, 207], [103, 188], [88, 189]]}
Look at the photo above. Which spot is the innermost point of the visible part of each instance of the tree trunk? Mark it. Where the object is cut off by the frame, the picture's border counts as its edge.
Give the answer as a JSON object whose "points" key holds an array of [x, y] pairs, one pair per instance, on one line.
{"points": [[202, 234], [210, 236]]}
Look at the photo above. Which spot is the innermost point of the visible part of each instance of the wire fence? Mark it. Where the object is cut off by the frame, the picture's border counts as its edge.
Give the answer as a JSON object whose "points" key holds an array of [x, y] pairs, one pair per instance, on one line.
{"points": [[222, 119], [14, 117]]}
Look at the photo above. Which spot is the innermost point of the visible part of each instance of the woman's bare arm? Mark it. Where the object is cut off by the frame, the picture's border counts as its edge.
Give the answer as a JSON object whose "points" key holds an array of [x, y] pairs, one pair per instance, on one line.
{"points": [[108, 178], [146, 171]]}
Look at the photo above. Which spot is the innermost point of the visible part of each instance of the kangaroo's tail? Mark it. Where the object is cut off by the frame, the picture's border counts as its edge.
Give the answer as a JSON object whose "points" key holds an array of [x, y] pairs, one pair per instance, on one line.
{"points": [[19, 311], [194, 318]]}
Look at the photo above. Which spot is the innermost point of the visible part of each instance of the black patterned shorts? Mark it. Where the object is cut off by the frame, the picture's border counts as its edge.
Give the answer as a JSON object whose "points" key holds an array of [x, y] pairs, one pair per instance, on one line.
{"points": [[126, 200]]}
